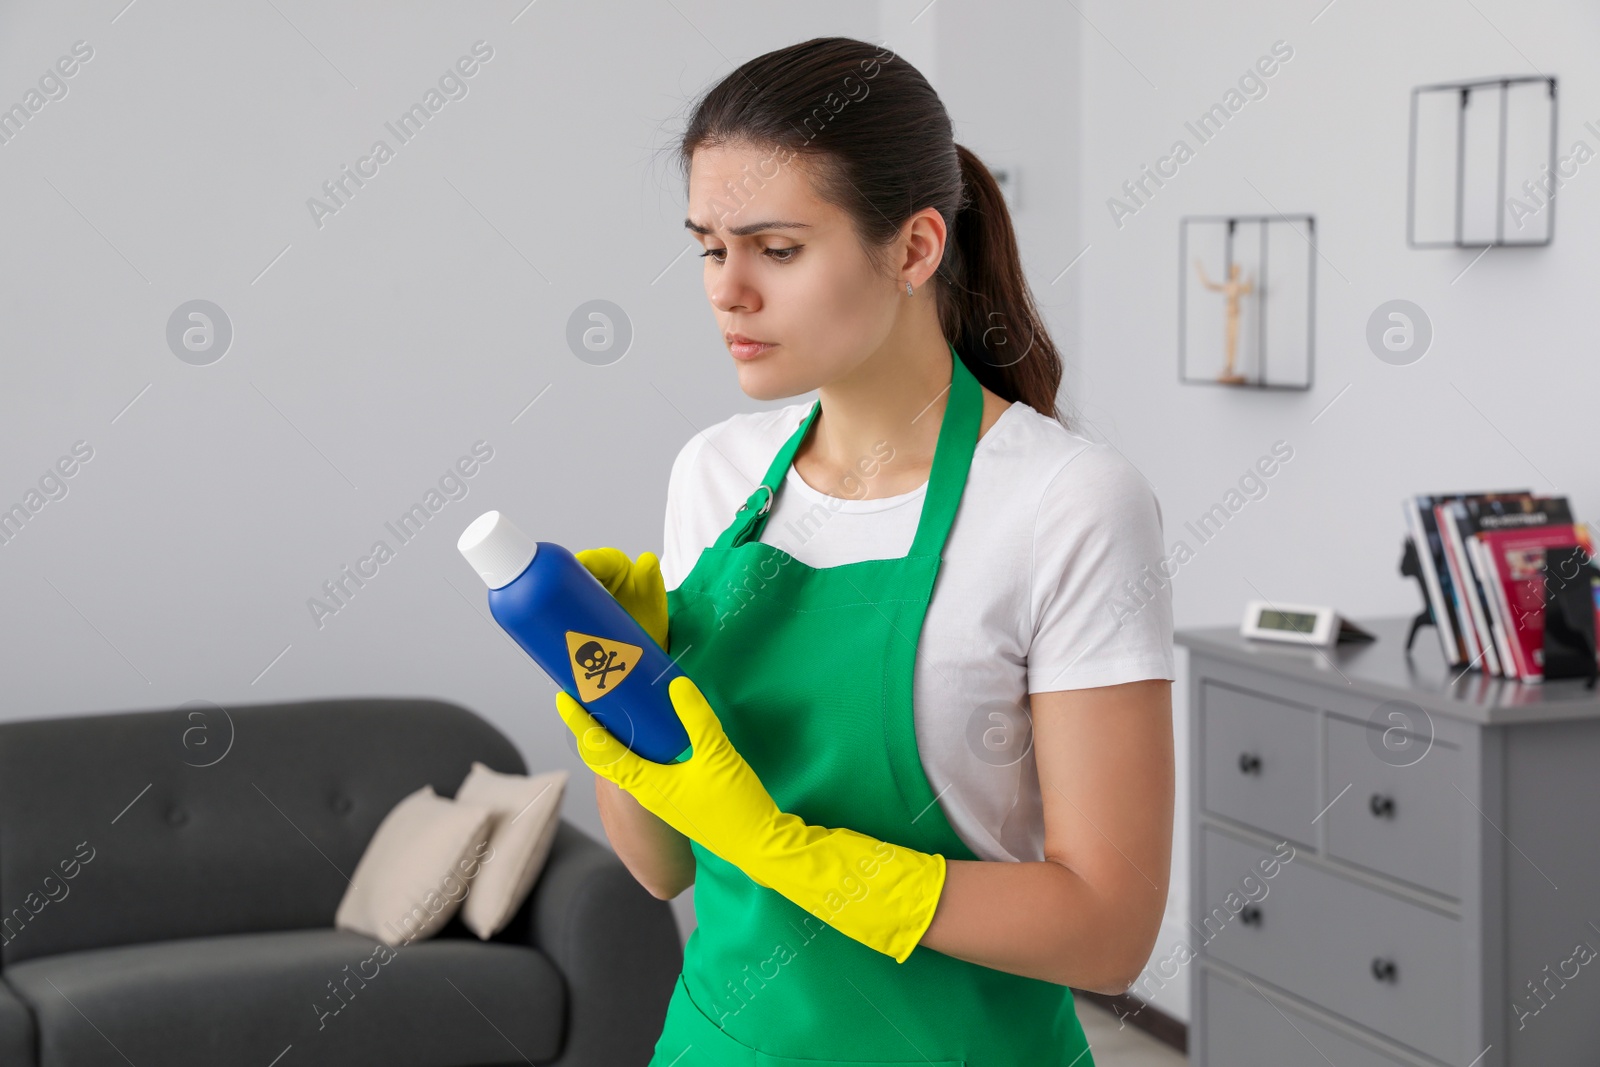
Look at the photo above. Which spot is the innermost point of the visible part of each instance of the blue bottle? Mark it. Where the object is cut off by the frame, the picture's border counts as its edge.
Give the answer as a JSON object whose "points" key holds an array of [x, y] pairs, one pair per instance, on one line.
{"points": [[574, 628]]}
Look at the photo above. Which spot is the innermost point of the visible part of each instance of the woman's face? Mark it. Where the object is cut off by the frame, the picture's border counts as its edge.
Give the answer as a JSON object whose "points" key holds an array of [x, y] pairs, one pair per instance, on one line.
{"points": [[785, 268]]}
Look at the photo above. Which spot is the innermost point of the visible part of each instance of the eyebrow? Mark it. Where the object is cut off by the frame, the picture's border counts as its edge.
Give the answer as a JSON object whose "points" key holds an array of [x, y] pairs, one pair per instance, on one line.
{"points": [[750, 227]]}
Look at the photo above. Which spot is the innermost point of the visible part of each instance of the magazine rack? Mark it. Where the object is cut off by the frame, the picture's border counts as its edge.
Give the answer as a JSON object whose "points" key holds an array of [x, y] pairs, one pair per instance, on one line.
{"points": [[1569, 616], [1274, 322], [1411, 567], [1508, 583]]}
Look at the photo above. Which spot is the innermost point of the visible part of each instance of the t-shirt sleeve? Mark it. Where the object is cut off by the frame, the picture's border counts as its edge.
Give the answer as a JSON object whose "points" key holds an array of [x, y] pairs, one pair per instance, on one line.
{"points": [[675, 540], [1101, 604]]}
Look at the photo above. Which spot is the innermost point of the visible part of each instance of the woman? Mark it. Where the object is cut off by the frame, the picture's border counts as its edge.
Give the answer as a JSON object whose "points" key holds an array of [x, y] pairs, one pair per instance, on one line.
{"points": [[932, 785]]}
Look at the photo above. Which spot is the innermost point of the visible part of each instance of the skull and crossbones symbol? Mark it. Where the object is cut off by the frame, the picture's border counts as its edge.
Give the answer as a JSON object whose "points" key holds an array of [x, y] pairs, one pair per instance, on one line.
{"points": [[595, 660]]}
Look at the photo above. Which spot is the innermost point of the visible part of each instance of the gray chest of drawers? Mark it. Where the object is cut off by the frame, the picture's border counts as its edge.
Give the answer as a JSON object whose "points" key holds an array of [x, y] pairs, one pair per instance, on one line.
{"points": [[1394, 864]]}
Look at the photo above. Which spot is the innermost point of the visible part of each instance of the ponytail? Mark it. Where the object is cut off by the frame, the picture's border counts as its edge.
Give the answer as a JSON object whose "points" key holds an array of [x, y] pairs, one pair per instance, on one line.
{"points": [[881, 147], [985, 304]]}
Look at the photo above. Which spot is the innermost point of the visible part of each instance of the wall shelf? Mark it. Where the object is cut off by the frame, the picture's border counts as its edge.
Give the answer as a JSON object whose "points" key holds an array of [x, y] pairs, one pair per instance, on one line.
{"points": [[1482, 163], [1276, 260]]}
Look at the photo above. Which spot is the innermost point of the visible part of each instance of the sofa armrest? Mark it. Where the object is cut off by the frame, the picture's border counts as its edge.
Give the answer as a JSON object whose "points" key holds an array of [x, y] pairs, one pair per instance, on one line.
{"points": [[616, 946]]}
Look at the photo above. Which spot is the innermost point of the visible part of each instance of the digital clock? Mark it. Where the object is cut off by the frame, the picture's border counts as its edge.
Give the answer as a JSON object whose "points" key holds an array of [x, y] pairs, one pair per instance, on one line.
{"points": [[1303, 624]]}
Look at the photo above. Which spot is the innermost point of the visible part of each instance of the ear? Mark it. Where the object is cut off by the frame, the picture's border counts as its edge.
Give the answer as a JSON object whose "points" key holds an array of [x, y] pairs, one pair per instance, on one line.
{"points": [[924, 236]]}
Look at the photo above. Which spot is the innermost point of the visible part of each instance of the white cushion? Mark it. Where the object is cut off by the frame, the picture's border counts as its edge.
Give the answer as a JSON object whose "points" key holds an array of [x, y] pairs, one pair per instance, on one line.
{"points": [[417, 868], [527, 812]]}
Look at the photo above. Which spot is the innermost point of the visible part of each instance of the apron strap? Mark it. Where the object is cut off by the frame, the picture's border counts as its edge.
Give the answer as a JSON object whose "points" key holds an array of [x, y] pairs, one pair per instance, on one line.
{"points": [[752, 514], [958, 437]]}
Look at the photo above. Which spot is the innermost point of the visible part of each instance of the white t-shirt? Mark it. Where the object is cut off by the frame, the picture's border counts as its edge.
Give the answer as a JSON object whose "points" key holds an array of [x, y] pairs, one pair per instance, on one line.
{"points": [[1050, 580]]}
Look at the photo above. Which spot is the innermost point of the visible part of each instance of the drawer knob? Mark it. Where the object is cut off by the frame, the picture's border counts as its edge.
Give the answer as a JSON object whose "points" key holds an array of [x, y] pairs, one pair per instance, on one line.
{"points": [[1384, 970], [1382, 806], [1249, 763], [1250, 915]]}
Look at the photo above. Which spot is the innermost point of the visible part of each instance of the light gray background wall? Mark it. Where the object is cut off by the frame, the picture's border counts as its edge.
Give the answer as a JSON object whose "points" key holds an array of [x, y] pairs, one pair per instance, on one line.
{"points": [[371, 352], [1503, 399]]}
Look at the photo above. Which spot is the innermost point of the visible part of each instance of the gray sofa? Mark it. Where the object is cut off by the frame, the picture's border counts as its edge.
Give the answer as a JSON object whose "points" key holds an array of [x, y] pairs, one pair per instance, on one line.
{"points": [[168, 881]]}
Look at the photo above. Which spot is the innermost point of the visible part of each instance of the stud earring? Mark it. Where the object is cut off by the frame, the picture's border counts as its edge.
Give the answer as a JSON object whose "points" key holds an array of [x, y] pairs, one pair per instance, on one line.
{"points": [[908, 289]]}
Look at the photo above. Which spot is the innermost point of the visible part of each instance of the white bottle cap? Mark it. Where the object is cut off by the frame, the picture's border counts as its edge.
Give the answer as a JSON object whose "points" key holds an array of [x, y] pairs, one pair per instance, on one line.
{"points": [[497, 550]]}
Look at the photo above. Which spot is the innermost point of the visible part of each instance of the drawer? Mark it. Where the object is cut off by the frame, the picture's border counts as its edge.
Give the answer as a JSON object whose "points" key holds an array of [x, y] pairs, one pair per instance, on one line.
{"points": [[1260, 761], [1243, 1030], [1406, 820], [1380, 961]]}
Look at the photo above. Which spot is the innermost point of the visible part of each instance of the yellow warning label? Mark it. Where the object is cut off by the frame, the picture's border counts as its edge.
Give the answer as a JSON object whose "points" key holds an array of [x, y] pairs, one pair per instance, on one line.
{"points": [[599, 664]]}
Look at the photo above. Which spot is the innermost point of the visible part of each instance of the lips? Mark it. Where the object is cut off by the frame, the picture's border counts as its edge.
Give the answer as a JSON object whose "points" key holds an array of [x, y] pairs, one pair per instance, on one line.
{"points": [[744, 347]]}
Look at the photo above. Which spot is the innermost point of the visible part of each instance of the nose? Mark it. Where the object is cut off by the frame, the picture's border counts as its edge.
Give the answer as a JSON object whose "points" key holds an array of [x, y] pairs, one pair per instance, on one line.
{"points": [[730, 288]]}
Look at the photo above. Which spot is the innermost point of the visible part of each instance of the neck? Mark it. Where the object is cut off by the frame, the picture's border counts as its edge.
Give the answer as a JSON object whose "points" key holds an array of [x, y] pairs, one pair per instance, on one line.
{"points": [[897, 398]]}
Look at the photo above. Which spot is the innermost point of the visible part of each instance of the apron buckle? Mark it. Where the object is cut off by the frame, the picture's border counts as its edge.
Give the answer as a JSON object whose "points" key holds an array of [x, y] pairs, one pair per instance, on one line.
{"points": [[764, 507]]}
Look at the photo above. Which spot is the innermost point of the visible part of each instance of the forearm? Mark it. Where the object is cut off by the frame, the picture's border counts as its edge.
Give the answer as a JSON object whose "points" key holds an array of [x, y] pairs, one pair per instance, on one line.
{"points": [[658, 855], [1043, 920]]}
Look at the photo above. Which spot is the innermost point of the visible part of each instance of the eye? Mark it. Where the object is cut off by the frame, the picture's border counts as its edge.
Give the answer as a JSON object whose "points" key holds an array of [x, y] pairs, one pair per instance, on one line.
{"points": [[779, 255]]}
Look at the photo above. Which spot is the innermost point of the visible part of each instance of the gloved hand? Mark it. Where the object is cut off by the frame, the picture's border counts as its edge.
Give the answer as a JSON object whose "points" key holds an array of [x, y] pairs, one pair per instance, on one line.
{"points": [[882, 895], [637, 585]]}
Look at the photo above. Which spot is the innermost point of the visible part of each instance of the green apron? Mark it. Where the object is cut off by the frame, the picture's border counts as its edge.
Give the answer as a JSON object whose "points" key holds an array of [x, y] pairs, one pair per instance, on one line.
{"points": [[810, 671]]}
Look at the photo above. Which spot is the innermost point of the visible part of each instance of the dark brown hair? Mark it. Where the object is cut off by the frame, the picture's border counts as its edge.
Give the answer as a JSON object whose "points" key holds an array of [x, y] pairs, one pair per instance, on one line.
{"points": [[878, 143]]}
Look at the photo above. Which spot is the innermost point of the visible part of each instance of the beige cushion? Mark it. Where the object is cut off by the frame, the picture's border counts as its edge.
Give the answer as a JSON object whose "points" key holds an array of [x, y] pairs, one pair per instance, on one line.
{"points": [[417, 868], [527, 813]]}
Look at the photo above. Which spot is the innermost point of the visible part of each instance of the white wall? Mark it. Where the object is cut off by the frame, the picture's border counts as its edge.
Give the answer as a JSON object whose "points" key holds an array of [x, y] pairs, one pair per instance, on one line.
{"points": [[369, 353], [1503, 398]]}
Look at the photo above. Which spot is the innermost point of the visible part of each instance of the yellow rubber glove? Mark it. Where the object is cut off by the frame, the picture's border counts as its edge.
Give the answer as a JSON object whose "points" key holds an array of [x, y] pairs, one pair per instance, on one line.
{"points": [[882, 895], [637, 585]]}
